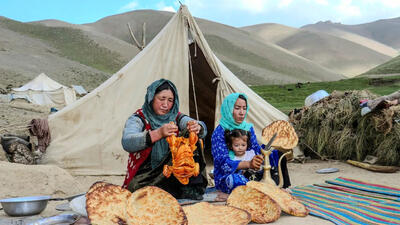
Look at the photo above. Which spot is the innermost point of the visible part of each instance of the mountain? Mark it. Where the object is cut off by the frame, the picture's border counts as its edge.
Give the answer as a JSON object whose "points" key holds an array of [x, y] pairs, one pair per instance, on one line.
{"points": [[65, 54], [385, 31], [339, 54]]}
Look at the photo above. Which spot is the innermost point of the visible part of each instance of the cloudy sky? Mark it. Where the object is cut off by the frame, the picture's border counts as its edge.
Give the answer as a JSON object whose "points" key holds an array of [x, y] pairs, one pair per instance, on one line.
{"points": [[295, 13]]}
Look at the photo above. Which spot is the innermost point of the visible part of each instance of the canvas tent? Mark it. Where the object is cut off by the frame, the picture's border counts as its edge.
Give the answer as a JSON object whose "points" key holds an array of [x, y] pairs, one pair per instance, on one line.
{"points": [[86, 135], [42, 90]]}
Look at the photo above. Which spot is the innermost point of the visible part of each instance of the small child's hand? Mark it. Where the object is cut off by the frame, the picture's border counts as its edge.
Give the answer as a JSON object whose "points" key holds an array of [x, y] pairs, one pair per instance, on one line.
{"points": [[256, 162]]}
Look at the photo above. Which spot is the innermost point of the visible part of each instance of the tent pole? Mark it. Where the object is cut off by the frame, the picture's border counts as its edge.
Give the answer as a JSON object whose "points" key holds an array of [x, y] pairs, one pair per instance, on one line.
{"points": [[194, 91]]}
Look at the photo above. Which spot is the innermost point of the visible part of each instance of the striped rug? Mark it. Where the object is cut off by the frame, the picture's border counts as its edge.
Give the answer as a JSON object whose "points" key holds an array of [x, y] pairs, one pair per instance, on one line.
{"points": [[359, 192], [345, 207], [364, 186]]}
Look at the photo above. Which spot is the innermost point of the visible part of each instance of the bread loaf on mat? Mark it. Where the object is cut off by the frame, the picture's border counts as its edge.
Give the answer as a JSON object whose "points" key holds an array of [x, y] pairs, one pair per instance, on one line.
{"points": [[96, 185], [206, 213], [262, 208], [286, 137], [106, 204], [153, 205], [285, 200]]}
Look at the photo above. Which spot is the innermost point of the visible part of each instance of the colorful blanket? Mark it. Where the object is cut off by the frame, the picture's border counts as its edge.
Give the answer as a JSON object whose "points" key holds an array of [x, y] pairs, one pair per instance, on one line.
{"points": [[350, 205], [360, 185]]}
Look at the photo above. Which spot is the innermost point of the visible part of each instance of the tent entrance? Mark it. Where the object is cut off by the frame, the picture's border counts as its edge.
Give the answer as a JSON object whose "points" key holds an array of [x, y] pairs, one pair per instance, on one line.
{"points": [[205, 91]]}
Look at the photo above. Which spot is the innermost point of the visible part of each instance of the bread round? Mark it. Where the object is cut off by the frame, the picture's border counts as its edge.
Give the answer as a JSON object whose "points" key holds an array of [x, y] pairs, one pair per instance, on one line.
{"points": [[96, 185], [261, 207], [106, 204], [206, 213], [153, 205], [286, 137], [285, 200]]}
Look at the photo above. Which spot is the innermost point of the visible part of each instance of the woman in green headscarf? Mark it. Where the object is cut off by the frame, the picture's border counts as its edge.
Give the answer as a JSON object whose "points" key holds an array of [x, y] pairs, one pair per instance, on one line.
{"points": [[234, 110], [144, 138]]}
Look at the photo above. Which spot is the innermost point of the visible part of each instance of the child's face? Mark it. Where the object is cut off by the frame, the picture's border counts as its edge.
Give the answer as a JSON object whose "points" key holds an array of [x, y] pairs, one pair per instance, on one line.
{"points": [[239, 145]]}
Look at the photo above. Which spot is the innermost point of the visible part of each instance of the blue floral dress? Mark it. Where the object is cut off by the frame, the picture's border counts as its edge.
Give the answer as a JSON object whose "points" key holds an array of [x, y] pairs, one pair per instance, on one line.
{"points": [[225, 177]]}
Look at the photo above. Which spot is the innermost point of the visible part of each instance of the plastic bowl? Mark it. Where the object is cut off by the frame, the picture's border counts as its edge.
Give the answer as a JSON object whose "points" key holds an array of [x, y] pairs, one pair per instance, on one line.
{"points": [[24, 206]]}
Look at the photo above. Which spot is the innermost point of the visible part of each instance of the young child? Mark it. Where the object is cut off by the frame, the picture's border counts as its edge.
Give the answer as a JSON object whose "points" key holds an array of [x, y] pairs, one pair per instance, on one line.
{"points": [[238, 141]]}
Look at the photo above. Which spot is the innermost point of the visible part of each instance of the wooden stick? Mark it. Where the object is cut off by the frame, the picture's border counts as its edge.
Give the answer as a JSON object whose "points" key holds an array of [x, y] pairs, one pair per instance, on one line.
{"points": [[134, 39], [144, 36]]}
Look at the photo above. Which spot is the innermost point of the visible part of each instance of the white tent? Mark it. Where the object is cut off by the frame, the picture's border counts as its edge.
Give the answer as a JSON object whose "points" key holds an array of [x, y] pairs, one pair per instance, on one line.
{"points": [[44, 91], [86, 135]]}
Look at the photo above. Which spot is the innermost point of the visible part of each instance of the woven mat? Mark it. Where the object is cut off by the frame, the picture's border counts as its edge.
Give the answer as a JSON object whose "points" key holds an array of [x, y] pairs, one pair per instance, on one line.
{"points": [[374, 204]]}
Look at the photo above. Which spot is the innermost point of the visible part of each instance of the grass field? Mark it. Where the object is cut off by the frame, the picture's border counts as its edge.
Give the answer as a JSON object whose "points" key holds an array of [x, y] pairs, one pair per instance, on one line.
{"points": [[287, 97], [391, 66]]}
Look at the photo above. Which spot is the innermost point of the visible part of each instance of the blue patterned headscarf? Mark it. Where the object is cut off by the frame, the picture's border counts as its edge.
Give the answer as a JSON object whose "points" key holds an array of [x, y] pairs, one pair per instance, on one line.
{"points": [[160, 148], [227, 121]]}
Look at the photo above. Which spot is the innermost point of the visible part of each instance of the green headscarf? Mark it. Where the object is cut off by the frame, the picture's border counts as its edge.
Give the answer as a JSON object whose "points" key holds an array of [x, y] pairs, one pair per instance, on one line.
{"points": [[227, 122], [160, 148]]}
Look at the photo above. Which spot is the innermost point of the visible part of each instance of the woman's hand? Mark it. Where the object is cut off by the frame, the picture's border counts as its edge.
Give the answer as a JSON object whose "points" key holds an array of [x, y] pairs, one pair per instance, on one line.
{"points": [[256, 162], [193, 126], [168, 129]]}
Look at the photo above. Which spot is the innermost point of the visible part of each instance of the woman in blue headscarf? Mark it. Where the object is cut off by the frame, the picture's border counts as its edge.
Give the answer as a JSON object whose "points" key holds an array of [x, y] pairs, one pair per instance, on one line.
{"points": [[233, 116], [144, 138]]}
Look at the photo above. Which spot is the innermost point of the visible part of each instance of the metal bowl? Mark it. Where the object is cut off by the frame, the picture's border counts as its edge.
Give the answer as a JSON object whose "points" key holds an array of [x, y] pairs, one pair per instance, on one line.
{"points": [[24, 206]]}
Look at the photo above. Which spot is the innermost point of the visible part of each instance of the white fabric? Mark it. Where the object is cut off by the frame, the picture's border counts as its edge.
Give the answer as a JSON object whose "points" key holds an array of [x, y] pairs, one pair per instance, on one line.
{"points": [[315, 97], [79, 90], [44, 91], [248, 155], [86, 135]]}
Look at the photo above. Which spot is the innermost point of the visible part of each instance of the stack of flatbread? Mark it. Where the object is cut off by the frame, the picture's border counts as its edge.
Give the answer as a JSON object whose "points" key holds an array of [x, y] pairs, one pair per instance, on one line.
{"points": [[286, 137], [206, 213], [285, 200], [262, 208], [108, 204], [153, 205]]}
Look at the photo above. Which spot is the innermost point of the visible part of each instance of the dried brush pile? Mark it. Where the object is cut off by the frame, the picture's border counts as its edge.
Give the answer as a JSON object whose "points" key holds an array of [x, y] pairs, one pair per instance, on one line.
{"points": [[333, 128]]}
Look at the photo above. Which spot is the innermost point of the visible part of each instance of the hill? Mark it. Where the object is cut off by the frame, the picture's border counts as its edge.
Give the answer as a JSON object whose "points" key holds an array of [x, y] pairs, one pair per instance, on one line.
{"points": [[65, 54], [126, 50], [386, 31], [336, 53], [390, 67]]}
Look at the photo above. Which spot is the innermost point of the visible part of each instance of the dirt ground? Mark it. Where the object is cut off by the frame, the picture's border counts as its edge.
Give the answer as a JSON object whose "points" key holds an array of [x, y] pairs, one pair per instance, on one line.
{"points": [[300, 174]]}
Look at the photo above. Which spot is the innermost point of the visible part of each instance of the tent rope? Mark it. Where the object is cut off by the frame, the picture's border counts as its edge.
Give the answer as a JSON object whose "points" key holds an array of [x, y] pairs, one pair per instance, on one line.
{"points": [[194, 91]]}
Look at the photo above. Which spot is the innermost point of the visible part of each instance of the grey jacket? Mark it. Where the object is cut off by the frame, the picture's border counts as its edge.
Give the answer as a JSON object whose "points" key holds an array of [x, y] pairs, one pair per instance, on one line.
{"points": [[134, 136]]}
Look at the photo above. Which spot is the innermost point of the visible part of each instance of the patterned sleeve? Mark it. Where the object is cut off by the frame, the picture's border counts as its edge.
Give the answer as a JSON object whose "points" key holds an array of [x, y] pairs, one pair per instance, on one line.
{"points": [[222, 163], [253, 141]]}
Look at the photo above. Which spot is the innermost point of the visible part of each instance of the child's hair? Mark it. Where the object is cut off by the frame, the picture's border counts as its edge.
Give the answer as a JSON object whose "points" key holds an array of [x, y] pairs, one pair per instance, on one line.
{"points": [[230, 134]]}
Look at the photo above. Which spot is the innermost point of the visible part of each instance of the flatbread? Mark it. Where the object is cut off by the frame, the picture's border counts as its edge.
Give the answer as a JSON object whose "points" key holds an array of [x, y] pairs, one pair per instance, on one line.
{"points": [[153, 205], [206, 213], [285, 200], [96, 185], [262, 208], [106, 204], [286, 137]]}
